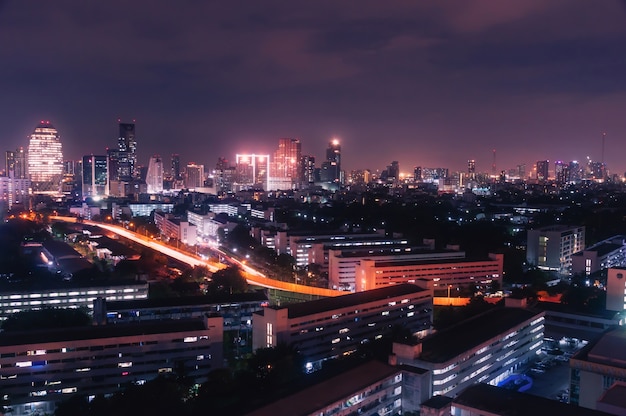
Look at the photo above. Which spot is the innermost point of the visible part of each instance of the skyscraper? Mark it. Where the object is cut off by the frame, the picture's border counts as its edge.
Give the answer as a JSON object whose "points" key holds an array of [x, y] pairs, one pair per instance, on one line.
{"points": [[285, 169], [542, 170], [45, 160], [307, 164], [175, 169], [471, 169], [95, 176], [331, 167], [154, 177], [194, 176], [123, 160], [561, 172]]}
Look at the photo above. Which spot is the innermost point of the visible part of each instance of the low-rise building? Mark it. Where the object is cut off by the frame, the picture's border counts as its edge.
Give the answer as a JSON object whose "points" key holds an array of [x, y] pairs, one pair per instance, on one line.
{"points": [[39, 368], [332, 327], [27, 295], [484, 399], [596, 367], [484, 349], [439, 273], [603, 255], [551, 248]]}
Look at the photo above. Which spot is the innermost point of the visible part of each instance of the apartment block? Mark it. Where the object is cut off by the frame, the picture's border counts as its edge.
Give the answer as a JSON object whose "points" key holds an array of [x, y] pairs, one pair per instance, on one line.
{"points": [[331, 327]]}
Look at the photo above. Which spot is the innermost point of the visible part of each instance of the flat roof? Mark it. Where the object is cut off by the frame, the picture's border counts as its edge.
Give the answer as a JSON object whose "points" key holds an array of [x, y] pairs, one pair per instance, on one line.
{"points": [[453, 341], [28, 285], [60, 249], [501, 401], [615, 395], [258, 296], [98, 332], [416, 262], [297, 310], [563, 308], [395, 250], [323, 394], [610, 349], [117, 248]]}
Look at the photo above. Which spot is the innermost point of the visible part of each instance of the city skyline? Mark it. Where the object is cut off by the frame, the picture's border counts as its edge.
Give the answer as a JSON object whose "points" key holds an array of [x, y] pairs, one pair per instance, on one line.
{"points": [[425, 84]]}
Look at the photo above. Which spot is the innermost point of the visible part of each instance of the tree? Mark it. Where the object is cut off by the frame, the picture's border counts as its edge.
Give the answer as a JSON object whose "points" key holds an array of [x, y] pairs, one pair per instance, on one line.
{"points": [[228, 280]]}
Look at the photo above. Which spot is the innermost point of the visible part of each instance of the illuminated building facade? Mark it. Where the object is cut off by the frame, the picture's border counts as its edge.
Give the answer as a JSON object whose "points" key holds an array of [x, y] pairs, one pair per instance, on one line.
{"points": [[307, 164], [154, 177], [436, 273], [484, 349], [95, 176], [333, 327], [285, 170], [45, 160], [543, 167], [551, 248], [331, 167], [16, 165], [252, 171], [39, 368], [194, 176]]}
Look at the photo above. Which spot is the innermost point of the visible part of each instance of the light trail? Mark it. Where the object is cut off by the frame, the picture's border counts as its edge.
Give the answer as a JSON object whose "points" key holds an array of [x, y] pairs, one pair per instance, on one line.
{"points": [[252, 276]]}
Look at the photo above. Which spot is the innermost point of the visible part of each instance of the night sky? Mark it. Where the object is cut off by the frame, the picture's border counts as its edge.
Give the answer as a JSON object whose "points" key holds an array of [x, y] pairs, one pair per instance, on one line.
{"points": [[428, 83]]}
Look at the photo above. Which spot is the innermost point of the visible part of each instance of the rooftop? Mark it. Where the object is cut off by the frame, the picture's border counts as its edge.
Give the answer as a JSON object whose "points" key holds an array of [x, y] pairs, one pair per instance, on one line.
{"points": [[451, 342], [99, 332], [258, 296], [500, 401], [610, 349], [310, 400], [297, 310], [442, 261]]}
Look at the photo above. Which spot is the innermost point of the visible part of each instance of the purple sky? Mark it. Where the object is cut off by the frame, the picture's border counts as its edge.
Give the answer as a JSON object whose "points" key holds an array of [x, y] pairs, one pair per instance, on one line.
{"points": [[429, 83]]}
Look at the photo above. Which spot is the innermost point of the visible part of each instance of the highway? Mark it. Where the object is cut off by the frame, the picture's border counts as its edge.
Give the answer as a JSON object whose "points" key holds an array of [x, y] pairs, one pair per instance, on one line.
{"points": [[252, 276]]}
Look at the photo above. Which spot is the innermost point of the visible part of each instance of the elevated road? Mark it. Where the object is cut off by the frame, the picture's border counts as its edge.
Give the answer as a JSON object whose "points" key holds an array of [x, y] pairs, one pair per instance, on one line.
{"points": [[251, 275]]}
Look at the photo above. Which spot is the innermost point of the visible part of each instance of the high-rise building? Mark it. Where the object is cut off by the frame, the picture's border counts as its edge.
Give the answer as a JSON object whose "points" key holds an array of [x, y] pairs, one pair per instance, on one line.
{"points": [[286, 165], [45, 160], [331, 167], [542, 170], [575, 172], [95, 176], [471, 169], [417, 174], [307, 166], [194, 176], [123, 160], [561, 174], [154, 177], [175, 169], [253, 170]]}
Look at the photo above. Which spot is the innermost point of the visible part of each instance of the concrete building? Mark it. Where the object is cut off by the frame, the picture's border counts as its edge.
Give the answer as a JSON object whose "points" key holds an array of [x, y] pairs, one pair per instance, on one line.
{"points": [[616, 289], [551, 248], [41, 367], [308, 247], [95, 176], [566, 321], [372, 388], [484, 349], [603, 255], [597, 367], [484, 399], [13, 191], [22, 296], [342, 263], [438, 274], [328, 328], [175, 228]]}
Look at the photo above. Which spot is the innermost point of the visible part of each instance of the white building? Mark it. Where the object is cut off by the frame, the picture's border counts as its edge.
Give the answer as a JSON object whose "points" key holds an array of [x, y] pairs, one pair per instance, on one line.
{"points": [[154, 177], [439, 274], [484, 349], [603, 255], [13, 191], [342, 263], [551, 248]]}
